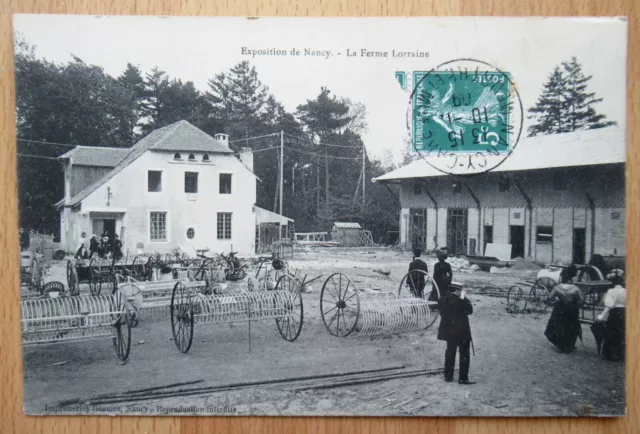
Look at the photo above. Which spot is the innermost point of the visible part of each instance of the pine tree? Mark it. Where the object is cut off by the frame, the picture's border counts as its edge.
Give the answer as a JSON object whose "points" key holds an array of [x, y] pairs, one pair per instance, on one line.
{"points": [[565, 105], [581, 114]]}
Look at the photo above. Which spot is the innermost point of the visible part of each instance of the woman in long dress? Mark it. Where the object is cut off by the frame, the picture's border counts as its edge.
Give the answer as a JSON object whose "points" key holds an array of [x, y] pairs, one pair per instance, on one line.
{"points": [[563, 328], [609, 329]]}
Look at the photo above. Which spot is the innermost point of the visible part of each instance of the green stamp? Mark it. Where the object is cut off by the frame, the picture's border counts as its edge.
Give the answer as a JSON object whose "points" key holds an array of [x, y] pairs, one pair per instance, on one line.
{"points": [[465, 112], [402, 79]]}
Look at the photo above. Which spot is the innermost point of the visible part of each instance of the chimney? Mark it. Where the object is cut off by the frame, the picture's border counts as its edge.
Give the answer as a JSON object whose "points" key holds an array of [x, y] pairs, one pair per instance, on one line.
{"points": [[246, 156], [224, 138]]}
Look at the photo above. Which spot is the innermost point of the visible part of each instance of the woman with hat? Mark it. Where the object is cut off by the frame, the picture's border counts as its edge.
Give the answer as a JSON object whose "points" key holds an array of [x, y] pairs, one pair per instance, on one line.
{"points": [[609, 328], [563, 328], [442, 274]]}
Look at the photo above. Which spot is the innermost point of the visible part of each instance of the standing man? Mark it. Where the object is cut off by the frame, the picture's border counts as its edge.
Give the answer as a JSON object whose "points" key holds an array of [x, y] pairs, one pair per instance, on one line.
{"points": [[116, 247], [416, 280], [455, 309]]}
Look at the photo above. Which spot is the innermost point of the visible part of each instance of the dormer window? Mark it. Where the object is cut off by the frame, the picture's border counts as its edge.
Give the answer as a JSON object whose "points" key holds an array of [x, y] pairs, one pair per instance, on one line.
{"points": [[192, 157], [205, 158], [177, 156]]}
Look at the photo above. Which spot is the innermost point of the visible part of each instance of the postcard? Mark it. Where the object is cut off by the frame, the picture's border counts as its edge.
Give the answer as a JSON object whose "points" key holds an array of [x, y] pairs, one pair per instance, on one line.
{"points": [[322, 216]]}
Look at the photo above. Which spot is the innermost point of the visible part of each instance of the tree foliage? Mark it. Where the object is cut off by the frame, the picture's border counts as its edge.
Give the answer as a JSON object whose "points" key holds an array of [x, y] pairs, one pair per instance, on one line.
{"points": [[565, 105], [75, 103]]}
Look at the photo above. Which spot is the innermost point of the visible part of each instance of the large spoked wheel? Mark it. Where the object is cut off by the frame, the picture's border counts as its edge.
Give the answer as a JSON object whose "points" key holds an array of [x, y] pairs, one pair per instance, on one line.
{"points": [[182, 317], [420, 284], [290, 325], [95, 277], [72, 279], [339, 305], [516, 300], [538, 298], [122, 330]]}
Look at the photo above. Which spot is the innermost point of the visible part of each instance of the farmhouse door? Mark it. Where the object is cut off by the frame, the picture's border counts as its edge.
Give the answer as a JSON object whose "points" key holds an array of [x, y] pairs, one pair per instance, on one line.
{"points": [[457, 234], [418, 228]]}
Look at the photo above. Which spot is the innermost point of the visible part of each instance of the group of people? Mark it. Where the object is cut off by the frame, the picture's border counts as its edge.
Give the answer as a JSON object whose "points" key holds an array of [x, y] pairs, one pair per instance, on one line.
{"points": [[563, 328], [102, 248]]}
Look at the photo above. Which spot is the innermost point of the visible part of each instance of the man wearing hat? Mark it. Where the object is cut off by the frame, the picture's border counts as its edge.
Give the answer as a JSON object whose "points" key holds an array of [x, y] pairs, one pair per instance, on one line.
{"points": [[417, 279], [454, 328]]}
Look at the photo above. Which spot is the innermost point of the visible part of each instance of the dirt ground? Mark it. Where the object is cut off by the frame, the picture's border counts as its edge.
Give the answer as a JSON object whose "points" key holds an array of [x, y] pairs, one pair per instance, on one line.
{"points": [[518, 372]]}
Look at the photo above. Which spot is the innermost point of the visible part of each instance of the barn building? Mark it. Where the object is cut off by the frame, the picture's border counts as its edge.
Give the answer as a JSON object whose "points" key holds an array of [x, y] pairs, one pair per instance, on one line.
{"points": [[177, 187], [557, 198]]}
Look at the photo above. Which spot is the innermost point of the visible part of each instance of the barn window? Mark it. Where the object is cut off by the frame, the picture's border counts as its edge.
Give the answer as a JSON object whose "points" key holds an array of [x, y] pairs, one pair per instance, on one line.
{"points": [[544, 234], [158, 226], [417, 187], [205, 157], [154, 181], [503, 183], [224, 225], [560, 181], [177, 156], [225, 183], [190, 182], [190, 233], [192, 157]]}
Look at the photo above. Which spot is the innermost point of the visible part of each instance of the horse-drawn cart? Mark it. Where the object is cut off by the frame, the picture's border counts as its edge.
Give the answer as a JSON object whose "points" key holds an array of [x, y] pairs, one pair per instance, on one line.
{"points": [[99, 273]]}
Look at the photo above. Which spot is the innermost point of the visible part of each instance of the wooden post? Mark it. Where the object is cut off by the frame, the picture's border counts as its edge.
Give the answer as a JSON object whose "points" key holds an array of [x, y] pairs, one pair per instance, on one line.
{"points": [[281, 168]]}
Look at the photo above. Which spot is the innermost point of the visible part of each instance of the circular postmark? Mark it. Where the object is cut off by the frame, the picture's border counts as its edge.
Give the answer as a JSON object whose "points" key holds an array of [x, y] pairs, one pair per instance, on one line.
{"points": [[465, 116]]}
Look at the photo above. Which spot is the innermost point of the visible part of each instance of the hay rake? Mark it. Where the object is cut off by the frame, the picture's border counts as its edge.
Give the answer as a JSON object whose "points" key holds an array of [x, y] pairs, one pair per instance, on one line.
{"points": [[190, 306], [344, 311], [73, 319]]}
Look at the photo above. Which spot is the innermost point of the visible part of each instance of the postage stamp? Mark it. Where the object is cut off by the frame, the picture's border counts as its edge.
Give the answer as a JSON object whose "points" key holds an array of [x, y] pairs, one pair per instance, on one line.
{"points": [[465, 116]]}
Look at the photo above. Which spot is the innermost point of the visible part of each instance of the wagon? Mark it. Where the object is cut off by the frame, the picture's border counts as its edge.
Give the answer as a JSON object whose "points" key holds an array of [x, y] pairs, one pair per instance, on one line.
{"points": [[344, 311], [189, 305], [72, 319], [537, 297], [100, 272]]}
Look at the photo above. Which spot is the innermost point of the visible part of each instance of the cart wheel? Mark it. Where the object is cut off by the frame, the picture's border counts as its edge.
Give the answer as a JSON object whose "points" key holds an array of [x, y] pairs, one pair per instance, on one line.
{"points": [[538, 298], [516, 300], [182, 317], [418, 283], [138, 268], [290, 325], [95, 277], [336, 302], [122, 338]]}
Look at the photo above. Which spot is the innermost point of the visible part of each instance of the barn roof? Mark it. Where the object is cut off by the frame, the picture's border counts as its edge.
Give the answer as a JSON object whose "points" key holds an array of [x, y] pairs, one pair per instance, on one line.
{"points": [[97, 156], [579, 148], [180, 136], [347, 225]]}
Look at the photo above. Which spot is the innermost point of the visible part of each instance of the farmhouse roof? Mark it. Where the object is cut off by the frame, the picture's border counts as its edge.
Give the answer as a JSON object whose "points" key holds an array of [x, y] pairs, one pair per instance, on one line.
{"points": [[579, 148], [347, 225], [97, 156], [179, 136]]}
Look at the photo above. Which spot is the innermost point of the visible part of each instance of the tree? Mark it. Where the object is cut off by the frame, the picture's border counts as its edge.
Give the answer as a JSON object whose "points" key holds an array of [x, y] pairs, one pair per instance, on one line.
{"points": [[324, 116], [565, 105], [132, 80], [237, 101]]}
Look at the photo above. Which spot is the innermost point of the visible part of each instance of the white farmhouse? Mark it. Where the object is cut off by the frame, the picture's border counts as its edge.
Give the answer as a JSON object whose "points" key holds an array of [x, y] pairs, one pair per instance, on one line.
{"points": [[177, 187]]}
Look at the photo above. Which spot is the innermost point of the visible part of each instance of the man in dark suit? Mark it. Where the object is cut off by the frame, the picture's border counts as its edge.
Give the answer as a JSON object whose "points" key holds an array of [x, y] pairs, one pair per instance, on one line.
{"points": [[416, 279], [455, 309]]}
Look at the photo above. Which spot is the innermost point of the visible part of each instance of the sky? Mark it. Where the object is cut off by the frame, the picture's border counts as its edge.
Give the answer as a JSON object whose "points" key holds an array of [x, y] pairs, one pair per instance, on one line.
{"points": [[197, 48]]}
